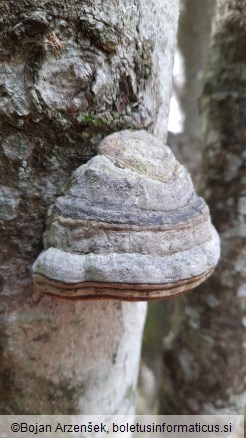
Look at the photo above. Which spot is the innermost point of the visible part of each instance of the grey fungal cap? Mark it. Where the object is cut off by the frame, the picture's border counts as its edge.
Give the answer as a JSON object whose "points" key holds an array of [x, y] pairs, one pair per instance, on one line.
{"points": [[129, 226]]}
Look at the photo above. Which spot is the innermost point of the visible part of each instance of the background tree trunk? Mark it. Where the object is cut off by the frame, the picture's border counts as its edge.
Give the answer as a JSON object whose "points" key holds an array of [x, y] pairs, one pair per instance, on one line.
{"points": [[70, 73], [206, 361], [190, 61]]}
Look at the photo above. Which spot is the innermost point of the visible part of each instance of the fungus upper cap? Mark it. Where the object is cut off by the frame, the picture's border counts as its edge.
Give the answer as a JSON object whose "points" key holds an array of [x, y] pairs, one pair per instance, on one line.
{"points": [[129, 226]]}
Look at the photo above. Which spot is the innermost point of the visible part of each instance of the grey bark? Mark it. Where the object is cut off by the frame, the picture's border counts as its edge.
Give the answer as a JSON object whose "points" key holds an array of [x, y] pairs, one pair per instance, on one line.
{"points": [[206, 361], [70, 73]]}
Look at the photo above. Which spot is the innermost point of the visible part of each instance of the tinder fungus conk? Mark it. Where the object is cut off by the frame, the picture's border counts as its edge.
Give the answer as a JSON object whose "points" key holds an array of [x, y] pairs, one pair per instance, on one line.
{"points": [[129, 226]]}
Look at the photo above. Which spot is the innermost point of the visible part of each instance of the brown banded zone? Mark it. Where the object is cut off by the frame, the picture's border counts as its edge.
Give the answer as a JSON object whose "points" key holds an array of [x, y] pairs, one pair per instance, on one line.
{"points": [[123, 292]]}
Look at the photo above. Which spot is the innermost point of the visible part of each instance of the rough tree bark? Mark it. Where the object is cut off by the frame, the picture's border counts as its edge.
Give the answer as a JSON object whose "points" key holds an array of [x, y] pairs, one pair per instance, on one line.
{"points": [[207, 360], [70, 73]]}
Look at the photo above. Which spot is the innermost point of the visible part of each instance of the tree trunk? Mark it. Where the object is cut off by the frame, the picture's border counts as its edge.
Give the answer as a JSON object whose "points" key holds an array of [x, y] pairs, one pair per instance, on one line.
{"points": [[70, 73], [191, 57], [207, 360]]}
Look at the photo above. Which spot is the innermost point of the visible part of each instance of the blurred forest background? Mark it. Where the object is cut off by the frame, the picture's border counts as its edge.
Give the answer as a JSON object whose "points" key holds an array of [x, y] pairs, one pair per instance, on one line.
{"points": [[193, 358]]}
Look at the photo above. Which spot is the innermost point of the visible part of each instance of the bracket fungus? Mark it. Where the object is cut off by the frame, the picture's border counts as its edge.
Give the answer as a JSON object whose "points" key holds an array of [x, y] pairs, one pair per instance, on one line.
{"points": [[129, 226]]}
